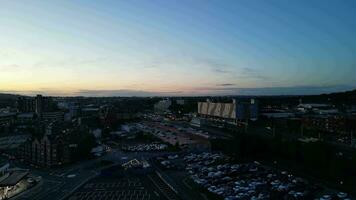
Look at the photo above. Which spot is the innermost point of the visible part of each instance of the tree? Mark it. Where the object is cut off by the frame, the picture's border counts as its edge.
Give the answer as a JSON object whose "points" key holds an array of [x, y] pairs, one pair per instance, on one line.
{"points": [[85, 143]]}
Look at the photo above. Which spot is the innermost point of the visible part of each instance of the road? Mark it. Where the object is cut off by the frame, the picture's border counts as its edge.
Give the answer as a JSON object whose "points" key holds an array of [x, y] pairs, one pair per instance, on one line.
{"points": [[55, 184]]}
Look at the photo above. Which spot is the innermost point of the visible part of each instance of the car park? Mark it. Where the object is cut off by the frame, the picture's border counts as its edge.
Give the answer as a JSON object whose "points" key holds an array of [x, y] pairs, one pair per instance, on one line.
{"points": [[217, 174]]}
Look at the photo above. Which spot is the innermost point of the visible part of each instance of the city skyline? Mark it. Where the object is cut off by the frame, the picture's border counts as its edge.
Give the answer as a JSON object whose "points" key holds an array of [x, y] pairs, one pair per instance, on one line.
{"points": [[177, 48]]}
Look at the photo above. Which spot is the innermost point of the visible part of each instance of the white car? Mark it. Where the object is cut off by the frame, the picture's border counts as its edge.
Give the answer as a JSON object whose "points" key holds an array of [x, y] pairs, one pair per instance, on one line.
{"points": [[71, 176]]}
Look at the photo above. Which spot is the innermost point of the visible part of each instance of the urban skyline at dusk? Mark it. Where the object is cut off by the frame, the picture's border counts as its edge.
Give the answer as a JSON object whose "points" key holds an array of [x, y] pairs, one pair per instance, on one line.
{"points": [[177, 99], [177, 48]]}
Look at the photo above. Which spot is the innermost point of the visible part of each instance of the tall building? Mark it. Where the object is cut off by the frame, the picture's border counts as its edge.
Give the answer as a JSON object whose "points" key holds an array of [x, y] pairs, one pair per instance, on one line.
{"points": [[44, 106], [25, 104], [38, 105]]}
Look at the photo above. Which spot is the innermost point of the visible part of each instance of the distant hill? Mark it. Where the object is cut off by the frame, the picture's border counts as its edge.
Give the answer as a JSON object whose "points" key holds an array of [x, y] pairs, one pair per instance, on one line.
{"points": [[9, 96], [8, 100], [338, 98], [347, 93], [348, 97]]}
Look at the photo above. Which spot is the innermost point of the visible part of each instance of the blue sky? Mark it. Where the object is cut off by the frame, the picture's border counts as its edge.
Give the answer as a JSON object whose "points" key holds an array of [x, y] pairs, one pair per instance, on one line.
{"points": [[180, 47]]}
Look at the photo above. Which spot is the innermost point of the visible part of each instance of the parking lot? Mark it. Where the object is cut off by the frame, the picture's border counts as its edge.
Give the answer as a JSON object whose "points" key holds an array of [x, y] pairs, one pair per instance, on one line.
{"points": [[145, 147], [124, 186], [218, 175]]}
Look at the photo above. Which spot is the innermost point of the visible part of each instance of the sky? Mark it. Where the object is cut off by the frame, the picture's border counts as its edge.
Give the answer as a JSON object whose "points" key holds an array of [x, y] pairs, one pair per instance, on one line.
{"points": [[177, 47]]}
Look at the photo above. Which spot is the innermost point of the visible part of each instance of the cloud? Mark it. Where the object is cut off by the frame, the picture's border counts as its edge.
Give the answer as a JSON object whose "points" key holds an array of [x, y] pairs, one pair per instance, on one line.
{"points": [[198, 91], [70, 62], [226, 68], [9, 67], [223, 71], [93, 93], [225, 84], [6, 54], [293, 90], [251, 73], [125, 93], [42, 91], [215, 64]]}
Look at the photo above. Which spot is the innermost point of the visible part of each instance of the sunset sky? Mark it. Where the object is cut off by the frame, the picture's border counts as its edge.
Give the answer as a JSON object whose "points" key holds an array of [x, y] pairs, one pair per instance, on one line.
{"points": [[181, 47]]}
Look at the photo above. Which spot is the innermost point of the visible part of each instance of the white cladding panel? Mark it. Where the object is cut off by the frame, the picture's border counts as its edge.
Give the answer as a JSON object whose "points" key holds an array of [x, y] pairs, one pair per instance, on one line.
{"points": [[224, 110], [233, 111], [211, 108], [200, 107], [218, 108], [204, 109]]}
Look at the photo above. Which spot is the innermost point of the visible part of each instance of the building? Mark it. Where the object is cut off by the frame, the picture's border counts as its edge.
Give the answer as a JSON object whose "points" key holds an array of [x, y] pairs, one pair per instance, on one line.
{"points": [[48, 151], [25, 117], [7, 119], [38, 105], [89, 112], [325, 123], [25, 104], [180, 101], [351, 110], [246, 110], [321, 109], [242, 110], [53, 116], [70, 108], [198, 122], [4, 167], [9, 142], [12, 182], [107, 115], [43, 104], [162, 106]]}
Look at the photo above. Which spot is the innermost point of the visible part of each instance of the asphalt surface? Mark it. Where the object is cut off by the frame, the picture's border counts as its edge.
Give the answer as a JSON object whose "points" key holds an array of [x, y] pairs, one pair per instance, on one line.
{"points": [[55, 184]]}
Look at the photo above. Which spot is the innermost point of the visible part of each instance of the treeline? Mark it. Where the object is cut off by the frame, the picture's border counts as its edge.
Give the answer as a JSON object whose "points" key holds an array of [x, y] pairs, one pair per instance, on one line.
{"points": [[316, 159]]}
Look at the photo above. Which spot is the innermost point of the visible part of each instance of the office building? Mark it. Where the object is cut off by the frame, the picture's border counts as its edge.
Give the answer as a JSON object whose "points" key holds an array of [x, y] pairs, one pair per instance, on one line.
{"points": [[43, 104], [25, 104]]}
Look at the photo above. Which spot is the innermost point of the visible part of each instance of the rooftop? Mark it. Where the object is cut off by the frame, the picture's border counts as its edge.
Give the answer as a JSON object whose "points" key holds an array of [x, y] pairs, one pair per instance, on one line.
{"points": [[13, 179]]}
